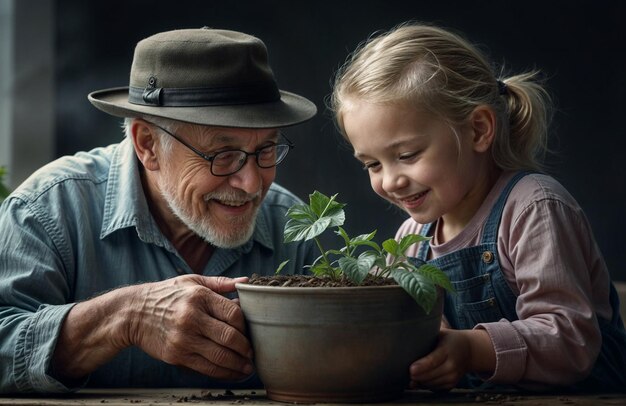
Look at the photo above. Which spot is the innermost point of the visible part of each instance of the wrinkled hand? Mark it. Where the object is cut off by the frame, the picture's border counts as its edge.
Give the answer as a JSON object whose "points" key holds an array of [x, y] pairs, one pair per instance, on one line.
{"points": [[185, 321], [445, 365]]}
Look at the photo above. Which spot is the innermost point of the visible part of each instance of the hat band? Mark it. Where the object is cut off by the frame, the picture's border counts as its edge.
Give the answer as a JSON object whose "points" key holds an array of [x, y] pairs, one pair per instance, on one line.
{"points": [[203, 96]]}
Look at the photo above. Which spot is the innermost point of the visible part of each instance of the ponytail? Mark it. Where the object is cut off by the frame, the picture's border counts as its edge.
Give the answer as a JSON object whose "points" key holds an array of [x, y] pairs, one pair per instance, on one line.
{"points": [[523, 142]]}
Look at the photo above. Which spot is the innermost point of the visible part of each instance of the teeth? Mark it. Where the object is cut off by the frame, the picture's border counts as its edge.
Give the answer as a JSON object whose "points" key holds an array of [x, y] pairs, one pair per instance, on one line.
{"points": [[232, 204], [417, 196], [231, 199]]}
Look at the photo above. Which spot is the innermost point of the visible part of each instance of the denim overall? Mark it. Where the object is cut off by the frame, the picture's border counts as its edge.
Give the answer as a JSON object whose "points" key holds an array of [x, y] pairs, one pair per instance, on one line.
{"points": [[484, 296]]}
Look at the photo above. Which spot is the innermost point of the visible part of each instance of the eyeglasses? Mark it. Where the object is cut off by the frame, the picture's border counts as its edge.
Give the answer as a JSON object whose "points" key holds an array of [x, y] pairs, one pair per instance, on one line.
{"points": [[225, 163]]}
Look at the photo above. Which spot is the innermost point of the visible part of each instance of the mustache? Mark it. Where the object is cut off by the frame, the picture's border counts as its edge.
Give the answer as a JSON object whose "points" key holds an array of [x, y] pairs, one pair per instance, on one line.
{"points": [[232, 195]]}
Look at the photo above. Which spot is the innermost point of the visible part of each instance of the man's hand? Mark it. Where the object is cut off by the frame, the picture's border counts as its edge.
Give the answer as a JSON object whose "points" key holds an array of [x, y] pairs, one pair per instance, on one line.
{"points": [[457, 353], [183, 321]]}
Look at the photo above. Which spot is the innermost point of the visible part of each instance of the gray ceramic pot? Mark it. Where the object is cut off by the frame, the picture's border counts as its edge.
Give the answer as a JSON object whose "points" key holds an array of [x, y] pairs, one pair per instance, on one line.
{"points": [[336, 344]]}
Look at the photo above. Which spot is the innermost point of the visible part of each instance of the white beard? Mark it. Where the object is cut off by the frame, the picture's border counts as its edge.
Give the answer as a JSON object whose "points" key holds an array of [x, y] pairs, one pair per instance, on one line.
{"points": [[236, 234]]}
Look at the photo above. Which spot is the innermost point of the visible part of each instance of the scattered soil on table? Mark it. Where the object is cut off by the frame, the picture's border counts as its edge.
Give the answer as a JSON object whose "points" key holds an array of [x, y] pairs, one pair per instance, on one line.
{"points": [[227, 395], [459, 397], [308, 281]]}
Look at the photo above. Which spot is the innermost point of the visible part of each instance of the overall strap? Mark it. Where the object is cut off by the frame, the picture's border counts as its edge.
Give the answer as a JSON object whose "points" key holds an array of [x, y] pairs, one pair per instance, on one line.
{"points": [[422, 252], [490, 229]]}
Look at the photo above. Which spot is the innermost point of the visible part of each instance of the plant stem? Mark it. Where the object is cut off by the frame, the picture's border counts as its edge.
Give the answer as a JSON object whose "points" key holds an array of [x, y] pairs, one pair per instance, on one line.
{"points": [[319, 246], [386, 271]]}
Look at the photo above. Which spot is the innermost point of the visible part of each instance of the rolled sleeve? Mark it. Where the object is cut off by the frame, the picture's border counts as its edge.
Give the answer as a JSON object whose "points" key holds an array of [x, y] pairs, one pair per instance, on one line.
{"points": [[511, 352], [34, 349]]}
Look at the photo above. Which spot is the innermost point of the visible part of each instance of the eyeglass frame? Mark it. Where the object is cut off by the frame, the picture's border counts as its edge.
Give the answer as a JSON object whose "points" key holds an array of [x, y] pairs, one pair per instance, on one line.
{"points": [[290, 145]]}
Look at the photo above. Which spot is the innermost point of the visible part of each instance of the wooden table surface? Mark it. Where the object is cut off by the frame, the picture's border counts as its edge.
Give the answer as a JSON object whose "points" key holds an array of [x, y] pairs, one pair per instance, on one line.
{"points": [[124, 397]]}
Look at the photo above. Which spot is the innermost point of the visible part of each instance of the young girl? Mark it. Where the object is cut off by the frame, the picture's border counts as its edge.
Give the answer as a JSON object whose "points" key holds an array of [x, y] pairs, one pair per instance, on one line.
{"points": [[459, 149]]}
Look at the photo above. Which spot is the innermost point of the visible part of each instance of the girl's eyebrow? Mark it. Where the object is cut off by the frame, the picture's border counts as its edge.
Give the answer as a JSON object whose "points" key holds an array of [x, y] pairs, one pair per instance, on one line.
{"points": [[391, 146]]}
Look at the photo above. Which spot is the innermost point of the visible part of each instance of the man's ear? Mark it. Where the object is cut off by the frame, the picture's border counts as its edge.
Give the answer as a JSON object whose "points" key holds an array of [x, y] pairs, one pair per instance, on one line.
{"points": [[144, 141], [483, 124]]}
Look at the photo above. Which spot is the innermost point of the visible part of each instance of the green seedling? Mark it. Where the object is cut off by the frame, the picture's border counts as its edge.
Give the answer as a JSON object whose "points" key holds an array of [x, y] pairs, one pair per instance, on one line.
{"points": [[361, 256]]}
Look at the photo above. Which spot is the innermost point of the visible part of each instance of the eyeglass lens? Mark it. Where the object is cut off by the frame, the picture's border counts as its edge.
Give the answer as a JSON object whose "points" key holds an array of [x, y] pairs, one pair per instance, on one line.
{"points": [[229, 162]]}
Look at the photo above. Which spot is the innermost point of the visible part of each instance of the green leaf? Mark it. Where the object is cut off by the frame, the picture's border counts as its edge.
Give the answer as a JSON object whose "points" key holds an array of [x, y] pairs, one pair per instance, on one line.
{"points": [[280, 267], [370, 244], [318, 202], [337, 217], [356, 269], [301, 212], [301, 218], [421, 288], [364, 237], [296, 230], [326, 207], [323, 269], [392, 247], [350, 267], [436, 276], [307, 222], [409, 240], [381, 261], [341, 232]]}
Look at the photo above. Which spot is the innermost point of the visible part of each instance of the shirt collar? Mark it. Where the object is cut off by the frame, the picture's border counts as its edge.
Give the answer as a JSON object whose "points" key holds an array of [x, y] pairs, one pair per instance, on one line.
{"points": [[125, 204]]}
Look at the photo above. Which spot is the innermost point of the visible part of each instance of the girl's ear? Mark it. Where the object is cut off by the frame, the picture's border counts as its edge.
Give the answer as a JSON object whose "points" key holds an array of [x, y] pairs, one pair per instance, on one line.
{"points": [[483, 124], [143, 137]]}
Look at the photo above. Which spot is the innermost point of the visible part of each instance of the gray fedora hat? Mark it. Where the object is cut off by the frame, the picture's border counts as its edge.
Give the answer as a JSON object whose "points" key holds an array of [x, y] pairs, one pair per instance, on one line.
{"points": [[205, 76]]}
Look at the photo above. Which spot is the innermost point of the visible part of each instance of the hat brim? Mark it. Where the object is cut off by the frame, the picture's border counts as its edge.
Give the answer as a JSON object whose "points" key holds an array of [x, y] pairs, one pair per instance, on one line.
{"points": [[291, 109]]}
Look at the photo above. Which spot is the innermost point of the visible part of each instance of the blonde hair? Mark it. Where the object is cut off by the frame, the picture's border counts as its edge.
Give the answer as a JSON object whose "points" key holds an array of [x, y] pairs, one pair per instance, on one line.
{"points": [[434, 69]]}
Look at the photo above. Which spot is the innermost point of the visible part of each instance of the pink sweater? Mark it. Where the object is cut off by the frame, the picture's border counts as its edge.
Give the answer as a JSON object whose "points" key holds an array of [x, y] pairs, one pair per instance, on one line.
{"points": [[550, 259]]}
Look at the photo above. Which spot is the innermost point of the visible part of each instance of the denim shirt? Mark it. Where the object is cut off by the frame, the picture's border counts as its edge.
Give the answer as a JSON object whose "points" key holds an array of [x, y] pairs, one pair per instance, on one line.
{"points": [[81, 226]]}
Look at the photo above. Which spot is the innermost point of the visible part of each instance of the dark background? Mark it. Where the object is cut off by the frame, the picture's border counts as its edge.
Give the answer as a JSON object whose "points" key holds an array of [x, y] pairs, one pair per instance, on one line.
{"points": [[579, 46]]}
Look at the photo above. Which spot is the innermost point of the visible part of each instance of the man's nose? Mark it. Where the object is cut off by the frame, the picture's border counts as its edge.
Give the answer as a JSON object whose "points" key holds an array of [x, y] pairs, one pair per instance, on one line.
{"points": [[248, 178]]}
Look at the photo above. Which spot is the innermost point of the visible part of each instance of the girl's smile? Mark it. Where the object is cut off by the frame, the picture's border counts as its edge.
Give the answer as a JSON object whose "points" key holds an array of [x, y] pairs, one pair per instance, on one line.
{"points": [[413, 202]]}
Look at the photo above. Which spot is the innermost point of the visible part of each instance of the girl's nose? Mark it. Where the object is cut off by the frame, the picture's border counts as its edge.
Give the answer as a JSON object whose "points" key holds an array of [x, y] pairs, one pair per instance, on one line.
{"points": [[394, 180]]}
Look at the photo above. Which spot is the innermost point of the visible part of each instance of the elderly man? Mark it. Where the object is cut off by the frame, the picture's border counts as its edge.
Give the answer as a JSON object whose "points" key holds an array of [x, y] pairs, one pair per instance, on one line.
{"points": [[116, 265]]}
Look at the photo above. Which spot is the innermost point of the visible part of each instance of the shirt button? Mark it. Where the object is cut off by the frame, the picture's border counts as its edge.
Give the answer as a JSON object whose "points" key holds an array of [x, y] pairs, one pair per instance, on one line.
{"points": [[487, 257]]}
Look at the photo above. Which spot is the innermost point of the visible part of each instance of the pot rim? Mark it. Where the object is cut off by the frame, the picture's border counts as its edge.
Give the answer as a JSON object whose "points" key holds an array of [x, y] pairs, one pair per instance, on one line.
{"points": [[299, 289]]}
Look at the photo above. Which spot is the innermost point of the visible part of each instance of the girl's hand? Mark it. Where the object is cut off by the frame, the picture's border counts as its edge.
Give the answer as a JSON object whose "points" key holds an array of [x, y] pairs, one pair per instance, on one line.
{"points": [[457, 353]]}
